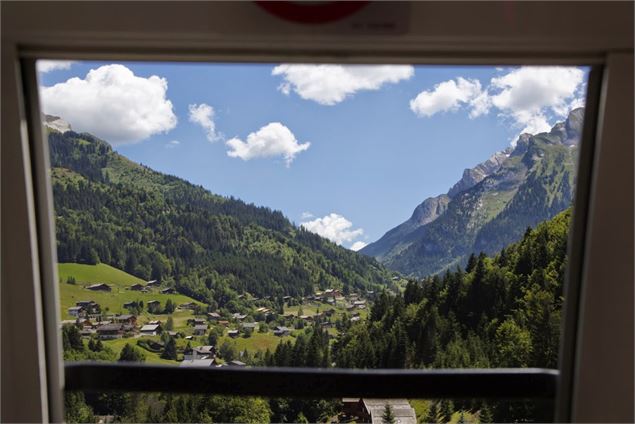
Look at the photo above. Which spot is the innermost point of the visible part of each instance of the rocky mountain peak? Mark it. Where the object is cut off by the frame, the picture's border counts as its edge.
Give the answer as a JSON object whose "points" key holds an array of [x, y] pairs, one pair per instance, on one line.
{"points": [[56, 123]]}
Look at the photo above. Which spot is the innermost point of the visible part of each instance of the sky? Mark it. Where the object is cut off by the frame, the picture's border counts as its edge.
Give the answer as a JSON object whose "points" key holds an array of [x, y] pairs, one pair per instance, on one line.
{"points": [[347, 151]]}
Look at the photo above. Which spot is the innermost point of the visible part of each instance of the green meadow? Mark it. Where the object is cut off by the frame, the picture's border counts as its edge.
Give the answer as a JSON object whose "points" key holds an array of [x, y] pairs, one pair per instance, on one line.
{"points": [[112, 302]]}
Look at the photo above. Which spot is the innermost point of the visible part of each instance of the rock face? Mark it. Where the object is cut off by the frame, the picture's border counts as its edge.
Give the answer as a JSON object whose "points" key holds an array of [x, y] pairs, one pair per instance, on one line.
{"points": [[490, 206], [56, 123]]}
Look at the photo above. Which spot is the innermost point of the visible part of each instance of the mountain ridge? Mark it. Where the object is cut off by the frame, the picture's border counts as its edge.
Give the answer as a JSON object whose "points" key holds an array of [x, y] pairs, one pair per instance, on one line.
{"points": [[490, 206]]}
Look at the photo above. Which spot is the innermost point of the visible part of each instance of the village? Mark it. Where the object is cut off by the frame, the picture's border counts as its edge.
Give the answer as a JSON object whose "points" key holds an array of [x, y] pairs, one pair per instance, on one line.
{"points": [[237, 336]]}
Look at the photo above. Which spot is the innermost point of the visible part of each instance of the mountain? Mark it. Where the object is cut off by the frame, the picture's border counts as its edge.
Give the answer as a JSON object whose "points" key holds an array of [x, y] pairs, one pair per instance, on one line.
{"points": [[156, 226], [490, 206]]}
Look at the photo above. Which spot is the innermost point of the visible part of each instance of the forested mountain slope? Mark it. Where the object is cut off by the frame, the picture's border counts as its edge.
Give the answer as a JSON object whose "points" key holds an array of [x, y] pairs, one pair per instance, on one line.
{"points": [[490, 207], [156, 226]]}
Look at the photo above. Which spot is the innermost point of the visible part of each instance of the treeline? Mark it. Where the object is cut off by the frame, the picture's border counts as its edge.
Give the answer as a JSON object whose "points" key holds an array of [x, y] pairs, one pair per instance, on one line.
{"points": [[157, 226]]}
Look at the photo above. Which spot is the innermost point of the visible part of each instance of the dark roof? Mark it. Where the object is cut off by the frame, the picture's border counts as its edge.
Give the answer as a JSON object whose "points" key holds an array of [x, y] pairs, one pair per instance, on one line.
{"points": [[110, 327]]}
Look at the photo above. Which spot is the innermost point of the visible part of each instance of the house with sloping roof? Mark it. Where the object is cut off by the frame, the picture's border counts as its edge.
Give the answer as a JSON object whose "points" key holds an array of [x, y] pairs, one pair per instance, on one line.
{"points": [[236, 364], [200, 329], [110, 331], [137, 287], [151, 329], [99, 287], [213, 316], [168, 290], [197, 363], [76, 311], [282, 331], [233, 333], [153, 283]]}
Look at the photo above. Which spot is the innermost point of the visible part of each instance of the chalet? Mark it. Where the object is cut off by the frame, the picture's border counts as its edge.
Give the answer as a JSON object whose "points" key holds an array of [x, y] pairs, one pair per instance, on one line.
{"points": [[153, 303], [306, 318], [359, 303], [189, 337], [197, 321], [154, 322], [213, 316], [224, 323], [129, 304], [173, 333], [239, 317], [332, 293], [137, 287], [326, 324], [236, 364], [286, 298], [168, 290], [87, 332], [329, 312], [262, 310], [99, 287], [125, 319], [355, 319], [350, 307], [200, 352], [200, 329], [330, 300], [153, 283], [150, 329], [91, 307], [233, 333], [281, 331], [110, 331], [188, 305], [188, 363], [76, 311]]}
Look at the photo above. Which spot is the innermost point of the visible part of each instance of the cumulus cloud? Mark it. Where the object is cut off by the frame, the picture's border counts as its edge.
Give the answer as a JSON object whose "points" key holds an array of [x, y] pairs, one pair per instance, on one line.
{"points": [[358, 245], [44, 66], [112, 103], [332, 84], [447, 96], [334, 227], [527, 94], [203, 115], [274, 139], [306, 215], [531, 97]]}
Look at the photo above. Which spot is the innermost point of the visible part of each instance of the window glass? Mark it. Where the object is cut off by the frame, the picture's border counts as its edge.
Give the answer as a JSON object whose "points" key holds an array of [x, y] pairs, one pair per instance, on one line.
{"points": [[241, 215]]}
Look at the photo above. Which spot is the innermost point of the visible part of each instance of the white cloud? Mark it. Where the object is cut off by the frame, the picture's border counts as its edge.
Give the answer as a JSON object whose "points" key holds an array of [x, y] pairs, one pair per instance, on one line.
{"points": [[306, 215], [527, 93], [358, 245], [112, 103], [274, 139], [203, 115], [449, 96], [331, 84], [531, 97], [44, 66], [334, 227], [172, 144]]}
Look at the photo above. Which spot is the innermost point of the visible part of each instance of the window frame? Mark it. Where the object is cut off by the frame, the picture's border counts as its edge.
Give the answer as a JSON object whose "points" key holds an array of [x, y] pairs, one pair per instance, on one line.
{"points": [[45, 270]]}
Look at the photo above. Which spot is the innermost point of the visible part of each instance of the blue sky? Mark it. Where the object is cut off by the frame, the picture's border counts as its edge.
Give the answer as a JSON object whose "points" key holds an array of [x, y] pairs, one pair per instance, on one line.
{"points": [[349, 151]]}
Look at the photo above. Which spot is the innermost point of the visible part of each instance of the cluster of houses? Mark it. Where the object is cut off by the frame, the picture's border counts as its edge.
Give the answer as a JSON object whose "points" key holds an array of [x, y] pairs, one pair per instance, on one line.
{"points": [[205, 356]]}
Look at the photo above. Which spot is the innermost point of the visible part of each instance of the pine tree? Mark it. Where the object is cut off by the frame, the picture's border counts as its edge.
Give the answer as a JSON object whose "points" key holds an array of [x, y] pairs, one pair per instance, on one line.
{"points": [[169, 352], [169, 324], [130, 353], [388, 417]]}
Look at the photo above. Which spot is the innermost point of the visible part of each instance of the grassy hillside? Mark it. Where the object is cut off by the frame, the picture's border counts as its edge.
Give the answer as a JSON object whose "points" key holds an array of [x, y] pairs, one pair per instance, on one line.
{"points": [[155, 226], [120, 294]]}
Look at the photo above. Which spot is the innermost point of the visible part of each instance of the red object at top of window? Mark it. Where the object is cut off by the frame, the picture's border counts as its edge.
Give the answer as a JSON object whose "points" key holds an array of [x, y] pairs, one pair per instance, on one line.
{"points": [[312, 12]]}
